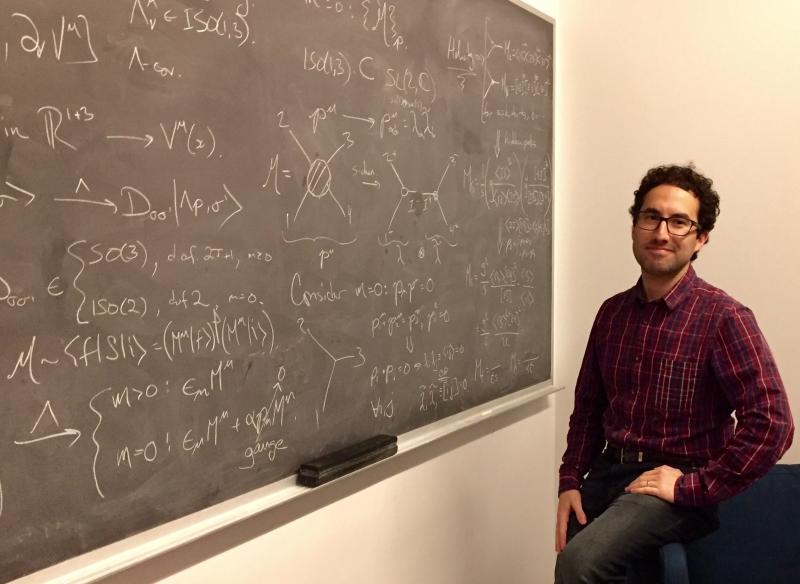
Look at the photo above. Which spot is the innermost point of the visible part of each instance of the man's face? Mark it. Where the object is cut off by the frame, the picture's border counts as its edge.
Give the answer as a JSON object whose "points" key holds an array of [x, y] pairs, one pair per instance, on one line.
{"points": [[658, 252]]}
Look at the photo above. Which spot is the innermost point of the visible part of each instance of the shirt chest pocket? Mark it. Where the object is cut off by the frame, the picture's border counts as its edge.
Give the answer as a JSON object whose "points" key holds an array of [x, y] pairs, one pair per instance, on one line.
{"points": [[675, 382]]}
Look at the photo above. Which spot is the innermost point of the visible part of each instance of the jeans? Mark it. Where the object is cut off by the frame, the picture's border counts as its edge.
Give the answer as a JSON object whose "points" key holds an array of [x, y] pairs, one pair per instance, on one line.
{"points": [[624, 528]]}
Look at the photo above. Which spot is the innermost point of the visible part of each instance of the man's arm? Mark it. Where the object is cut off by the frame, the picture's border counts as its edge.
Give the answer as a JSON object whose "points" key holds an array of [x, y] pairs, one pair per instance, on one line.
{"points": [[584, 439], [585, 435], [746, 371]]}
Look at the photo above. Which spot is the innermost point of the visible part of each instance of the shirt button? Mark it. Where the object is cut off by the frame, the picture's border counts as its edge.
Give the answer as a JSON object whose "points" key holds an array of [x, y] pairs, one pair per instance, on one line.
{"points": [[637, 358]]}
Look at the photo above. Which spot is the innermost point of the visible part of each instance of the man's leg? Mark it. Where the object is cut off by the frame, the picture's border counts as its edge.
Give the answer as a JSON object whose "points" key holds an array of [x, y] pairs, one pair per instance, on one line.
{"points": [[630, 529]]}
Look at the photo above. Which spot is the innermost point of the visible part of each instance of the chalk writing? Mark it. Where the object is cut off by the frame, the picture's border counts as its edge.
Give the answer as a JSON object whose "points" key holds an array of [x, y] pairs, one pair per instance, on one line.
{"points": [[225, 24], [75, 31], [54, 431]]}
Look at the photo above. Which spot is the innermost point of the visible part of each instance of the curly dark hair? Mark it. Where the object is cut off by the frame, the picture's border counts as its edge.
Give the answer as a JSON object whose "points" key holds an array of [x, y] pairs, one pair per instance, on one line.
{"points": [[686, 178]]}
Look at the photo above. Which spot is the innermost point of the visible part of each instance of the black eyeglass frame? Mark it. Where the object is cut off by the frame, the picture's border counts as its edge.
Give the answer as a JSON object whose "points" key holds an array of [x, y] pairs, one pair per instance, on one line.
{"points": [[694, 225]]}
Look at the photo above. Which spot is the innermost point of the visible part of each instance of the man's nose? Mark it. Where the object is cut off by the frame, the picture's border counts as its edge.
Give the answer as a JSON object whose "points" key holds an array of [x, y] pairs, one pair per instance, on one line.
{"points": [[661, 231]]}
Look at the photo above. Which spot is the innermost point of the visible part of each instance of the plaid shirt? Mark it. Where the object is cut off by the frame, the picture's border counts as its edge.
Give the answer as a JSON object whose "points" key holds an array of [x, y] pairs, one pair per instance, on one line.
{"points": [[663, 377]]}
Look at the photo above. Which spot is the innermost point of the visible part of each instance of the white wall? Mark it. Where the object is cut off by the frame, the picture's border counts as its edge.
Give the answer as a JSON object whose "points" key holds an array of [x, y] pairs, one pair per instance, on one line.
{"points": [[644, 83]]}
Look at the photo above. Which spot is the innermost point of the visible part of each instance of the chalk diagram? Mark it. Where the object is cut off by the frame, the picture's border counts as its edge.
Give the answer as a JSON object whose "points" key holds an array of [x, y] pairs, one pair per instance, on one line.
{"points": [[468, 70], [334, 362], [488, 81], [15, 199], [50, 425], [421, 204], [319, 208]]}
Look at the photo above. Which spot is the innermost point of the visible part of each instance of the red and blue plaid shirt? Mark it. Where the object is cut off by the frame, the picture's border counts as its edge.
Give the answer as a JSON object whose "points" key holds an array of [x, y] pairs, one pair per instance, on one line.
{"points": [[663, 377]]}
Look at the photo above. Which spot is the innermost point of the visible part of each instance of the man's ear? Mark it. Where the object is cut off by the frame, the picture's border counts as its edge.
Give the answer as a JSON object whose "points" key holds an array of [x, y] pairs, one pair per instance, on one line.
{"points": [[702, 239]]}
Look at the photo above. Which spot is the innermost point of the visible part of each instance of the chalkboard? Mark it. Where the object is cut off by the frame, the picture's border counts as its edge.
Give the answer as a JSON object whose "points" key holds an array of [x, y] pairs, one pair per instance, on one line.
{"points": [[236, 235]]}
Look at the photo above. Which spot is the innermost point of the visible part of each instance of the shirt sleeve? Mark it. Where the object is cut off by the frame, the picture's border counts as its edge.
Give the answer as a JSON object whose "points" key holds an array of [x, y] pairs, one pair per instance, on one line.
{"points": [[745, 370], [585, 435]]}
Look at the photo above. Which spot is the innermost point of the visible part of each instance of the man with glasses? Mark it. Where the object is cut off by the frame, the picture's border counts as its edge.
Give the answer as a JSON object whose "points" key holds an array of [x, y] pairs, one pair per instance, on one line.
{"points": [[666, 364]]}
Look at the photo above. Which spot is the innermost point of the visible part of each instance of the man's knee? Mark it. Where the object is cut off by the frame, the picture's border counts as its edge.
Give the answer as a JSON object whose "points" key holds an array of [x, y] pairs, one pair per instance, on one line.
{"points": [[580, 564]]}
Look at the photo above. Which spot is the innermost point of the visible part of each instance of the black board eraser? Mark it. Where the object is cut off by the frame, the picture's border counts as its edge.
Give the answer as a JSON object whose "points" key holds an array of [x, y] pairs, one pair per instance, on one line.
{"points": [[348, 459]]}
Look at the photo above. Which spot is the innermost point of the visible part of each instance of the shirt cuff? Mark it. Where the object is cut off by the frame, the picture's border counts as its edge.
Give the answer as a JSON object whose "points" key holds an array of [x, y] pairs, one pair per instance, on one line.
{"points": [[567, 483], [689, 491]]}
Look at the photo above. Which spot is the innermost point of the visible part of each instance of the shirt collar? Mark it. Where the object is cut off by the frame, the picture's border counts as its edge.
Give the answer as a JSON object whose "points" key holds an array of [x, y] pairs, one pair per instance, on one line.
{"points": [[674, 297]]}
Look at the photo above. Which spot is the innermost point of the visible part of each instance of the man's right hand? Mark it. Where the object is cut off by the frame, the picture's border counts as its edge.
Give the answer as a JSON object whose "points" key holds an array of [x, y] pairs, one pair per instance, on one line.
{"points": [[568, 502]]}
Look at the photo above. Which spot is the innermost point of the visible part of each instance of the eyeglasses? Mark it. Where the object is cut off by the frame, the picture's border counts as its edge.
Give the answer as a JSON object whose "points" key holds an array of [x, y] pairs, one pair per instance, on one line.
{"points": [[650, 221]]}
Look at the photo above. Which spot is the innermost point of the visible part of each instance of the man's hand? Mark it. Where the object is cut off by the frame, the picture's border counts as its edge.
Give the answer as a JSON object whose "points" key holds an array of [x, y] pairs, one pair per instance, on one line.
{"points": [[568, 502], [659, 482]]}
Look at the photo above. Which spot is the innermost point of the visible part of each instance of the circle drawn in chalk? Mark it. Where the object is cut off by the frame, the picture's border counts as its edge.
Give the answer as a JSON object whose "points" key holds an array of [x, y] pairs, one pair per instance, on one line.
{"points": [[318, 179]]}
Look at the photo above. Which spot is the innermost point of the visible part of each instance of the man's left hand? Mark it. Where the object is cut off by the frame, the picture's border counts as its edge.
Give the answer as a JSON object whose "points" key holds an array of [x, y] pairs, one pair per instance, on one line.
{"points": [[659, 482]]}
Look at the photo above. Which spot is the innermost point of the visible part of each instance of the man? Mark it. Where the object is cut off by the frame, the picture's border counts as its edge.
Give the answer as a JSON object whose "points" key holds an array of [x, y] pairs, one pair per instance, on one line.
{"points": [[666, 364]]}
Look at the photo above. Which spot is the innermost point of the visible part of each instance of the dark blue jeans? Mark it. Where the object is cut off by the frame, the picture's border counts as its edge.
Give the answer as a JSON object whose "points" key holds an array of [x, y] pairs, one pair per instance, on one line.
{"points": [[624, 528]]}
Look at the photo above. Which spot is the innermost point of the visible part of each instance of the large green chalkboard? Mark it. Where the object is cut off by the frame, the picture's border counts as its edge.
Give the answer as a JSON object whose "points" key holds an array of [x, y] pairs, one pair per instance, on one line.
{"points": [[238, 234]]}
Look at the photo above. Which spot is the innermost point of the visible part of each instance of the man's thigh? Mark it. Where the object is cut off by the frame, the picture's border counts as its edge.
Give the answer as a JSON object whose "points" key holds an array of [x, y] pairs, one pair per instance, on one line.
{"points": [[630, 529], [644, 521], [605, 482]]}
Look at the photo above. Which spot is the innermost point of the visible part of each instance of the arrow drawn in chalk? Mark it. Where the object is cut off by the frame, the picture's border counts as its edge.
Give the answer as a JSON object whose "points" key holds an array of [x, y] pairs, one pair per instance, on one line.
{"points": [[370, 120], [147, 138], [20, 190], [103, 203], [82, 186], [48, 409], [66, 432]]}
